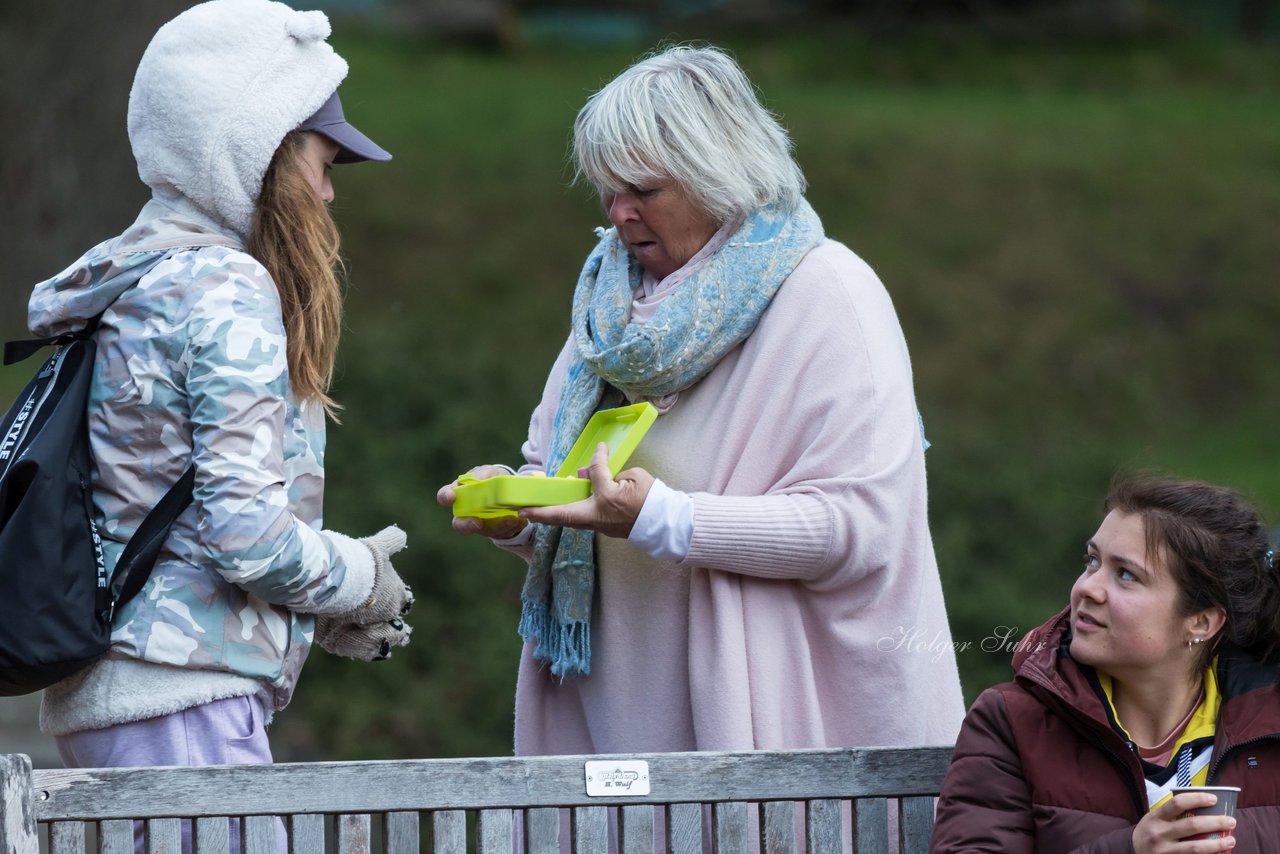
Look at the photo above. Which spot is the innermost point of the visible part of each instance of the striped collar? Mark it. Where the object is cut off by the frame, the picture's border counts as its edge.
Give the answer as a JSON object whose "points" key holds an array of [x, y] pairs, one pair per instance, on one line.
{"points": [[1193, 748]]}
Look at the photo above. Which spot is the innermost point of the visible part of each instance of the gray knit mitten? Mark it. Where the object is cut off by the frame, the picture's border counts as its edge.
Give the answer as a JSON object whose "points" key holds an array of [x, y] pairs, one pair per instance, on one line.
{"points": [[391, 597], [366, 643]]}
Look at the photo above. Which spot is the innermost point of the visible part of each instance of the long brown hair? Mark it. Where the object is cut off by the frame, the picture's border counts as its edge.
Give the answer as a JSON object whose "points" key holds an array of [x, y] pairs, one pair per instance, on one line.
{"points": [[294, 237]]}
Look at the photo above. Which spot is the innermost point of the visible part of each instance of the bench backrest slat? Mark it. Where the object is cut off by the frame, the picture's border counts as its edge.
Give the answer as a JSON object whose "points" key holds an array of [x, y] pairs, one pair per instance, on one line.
{"points": [[542, 830], [781, 802], [494, 832], [165, 834], [258, 835], [449, 832], [355, 833], [915, 824], [780, 828], [400, 829], [870, 826], [115, 837], [590, 829], [306, 831], [67, 837], [729, 826], [213, 834], [684, 829], [822, 825], [636, 829]]}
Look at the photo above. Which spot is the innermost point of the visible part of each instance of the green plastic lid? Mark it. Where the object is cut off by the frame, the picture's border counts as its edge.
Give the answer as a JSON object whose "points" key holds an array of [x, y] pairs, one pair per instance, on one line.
{"points": [[621, 429]]}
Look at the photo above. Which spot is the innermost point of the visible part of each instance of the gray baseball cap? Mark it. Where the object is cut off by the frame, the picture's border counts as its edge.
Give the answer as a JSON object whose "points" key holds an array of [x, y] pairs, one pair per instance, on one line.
{"points": [[329, 121]]}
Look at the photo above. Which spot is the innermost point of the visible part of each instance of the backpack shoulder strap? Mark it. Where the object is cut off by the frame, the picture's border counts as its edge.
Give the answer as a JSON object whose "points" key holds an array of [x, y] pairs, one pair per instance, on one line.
{"points": [[16, 351], [139, 556]]}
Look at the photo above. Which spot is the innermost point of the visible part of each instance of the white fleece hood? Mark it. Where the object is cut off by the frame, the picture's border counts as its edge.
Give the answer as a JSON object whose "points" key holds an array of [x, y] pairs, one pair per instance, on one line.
{"points": [[215, 93]]}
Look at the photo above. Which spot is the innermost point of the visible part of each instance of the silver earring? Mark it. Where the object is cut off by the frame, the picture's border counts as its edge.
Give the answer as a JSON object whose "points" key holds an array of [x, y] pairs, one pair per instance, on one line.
{"points": [[1191, 644]]}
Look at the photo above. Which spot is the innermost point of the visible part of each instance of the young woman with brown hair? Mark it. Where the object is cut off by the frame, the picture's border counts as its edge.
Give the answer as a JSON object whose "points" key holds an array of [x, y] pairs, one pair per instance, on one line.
{"points": [[1161, 673], [220, 313]]}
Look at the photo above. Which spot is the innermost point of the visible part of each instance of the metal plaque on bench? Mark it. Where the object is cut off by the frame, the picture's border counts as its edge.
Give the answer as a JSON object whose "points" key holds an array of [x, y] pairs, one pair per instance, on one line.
{"points": [[617, 777]]}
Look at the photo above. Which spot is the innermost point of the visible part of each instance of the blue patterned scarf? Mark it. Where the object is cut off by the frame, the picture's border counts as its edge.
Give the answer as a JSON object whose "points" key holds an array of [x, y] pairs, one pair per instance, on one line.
{"points": [[702, 319]]}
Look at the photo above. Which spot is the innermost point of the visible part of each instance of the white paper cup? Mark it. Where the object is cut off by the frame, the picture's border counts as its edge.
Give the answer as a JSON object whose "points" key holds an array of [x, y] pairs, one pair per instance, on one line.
{"points": [[1226, 805]]}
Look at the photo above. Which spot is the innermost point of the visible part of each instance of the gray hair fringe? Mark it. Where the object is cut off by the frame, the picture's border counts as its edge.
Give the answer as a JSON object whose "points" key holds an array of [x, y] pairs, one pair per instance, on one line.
{"points": [[688, 114]]}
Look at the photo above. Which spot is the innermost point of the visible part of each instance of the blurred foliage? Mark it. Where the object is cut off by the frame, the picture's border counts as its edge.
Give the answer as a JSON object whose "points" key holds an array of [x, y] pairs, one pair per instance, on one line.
{"points": [[66, 174], [1080, 239]]}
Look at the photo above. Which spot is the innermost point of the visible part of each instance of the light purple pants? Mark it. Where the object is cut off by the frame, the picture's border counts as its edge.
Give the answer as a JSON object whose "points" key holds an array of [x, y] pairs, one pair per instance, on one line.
{"points": [[224, 732]]}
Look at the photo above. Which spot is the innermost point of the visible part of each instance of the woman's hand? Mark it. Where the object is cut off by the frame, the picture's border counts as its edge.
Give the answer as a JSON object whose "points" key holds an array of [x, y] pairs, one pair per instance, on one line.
{"points": [[612, 507], [499, 529], [1164, 831]]}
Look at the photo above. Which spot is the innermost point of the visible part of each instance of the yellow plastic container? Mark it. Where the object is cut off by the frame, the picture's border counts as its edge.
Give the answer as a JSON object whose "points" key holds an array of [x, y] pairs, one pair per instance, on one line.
{"points": [[492, 498]]}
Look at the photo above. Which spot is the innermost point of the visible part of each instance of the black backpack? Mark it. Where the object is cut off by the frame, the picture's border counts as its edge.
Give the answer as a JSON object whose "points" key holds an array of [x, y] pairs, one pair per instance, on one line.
{"points": [[56, 599]]}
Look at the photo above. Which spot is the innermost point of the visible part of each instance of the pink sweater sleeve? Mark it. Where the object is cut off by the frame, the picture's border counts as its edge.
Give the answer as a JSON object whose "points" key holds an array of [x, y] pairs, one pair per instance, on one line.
{"points": [[779, 536]]}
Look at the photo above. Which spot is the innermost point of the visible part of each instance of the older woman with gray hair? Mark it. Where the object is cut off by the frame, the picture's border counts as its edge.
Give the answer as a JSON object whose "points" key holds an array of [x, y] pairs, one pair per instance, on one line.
{"points": [[764, 577]]}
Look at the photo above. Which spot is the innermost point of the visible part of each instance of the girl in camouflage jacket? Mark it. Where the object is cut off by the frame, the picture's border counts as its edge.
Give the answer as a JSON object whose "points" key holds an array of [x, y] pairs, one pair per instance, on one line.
{"points": [[220, 316]]}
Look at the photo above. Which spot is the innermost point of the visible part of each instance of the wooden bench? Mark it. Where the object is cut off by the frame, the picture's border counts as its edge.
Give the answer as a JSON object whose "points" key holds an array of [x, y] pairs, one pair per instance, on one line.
{"points": [[786, 802]]}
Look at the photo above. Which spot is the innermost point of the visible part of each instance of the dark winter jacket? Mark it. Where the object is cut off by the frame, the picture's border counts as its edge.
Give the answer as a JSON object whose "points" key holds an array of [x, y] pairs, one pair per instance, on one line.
{"points": [[1039, 768]]}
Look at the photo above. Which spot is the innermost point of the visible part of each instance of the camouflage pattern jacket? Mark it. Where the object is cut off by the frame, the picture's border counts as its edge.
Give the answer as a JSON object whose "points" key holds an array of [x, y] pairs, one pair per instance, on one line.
{"points": [[191, 367]]}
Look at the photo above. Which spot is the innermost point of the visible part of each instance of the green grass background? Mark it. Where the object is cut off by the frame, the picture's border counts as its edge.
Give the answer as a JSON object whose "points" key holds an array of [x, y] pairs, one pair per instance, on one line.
{"points": [[1082, 241]]}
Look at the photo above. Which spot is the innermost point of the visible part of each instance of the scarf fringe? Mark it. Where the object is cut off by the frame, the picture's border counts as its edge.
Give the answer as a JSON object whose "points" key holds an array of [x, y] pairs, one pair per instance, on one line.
{"points": [[565, 646]]}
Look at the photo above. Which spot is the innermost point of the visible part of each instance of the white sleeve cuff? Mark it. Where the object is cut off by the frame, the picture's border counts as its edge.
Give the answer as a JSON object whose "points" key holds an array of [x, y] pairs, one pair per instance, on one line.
{"points": [[664, 527], [526, 533], [357, 583]]}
